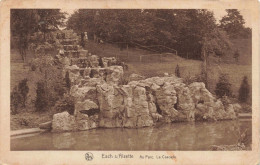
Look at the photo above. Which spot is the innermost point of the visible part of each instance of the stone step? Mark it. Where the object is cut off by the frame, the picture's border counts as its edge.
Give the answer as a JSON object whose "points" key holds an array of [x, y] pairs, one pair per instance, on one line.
{"points": [[72, 54], [68, 42], [83, 53], [70, 47]]}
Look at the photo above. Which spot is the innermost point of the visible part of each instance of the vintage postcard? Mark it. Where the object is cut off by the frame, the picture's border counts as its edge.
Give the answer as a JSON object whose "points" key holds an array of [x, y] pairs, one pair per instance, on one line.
{"points": [[129, 82]]}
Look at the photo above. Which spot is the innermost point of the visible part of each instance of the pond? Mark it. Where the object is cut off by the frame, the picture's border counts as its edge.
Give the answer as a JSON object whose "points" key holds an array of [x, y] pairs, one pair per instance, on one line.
{"points": [[175, 136]]}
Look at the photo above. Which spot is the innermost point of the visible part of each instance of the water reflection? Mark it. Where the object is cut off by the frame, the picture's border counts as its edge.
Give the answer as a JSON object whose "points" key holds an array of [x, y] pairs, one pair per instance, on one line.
{"points": [[63, 140], [177, 136]]}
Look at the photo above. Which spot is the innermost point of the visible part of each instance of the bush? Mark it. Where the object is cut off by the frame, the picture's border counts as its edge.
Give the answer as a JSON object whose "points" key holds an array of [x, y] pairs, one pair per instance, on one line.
{"points": [[41, 102], [191, 79], [23, 90], [67, 103], [55, 84], [100, 62], [177, 71], [244, 90], [223, 87], [15, 100]]}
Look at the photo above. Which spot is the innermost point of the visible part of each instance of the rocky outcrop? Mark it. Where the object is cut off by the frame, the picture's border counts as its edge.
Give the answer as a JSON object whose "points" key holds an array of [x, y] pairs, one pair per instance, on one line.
{"points": [[101, 100], [110, 75], [143, 103]]}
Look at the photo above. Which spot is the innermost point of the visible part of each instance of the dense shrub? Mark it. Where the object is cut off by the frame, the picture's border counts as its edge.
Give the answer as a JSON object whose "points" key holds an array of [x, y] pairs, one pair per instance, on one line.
{"points": [[67, 103], [191, 79], [51, 76], [100, 62], [244, 90], [15, 100], [23, 90], [41, 102], [223, 87], [55, 84], [177, 71], [19, 96]]}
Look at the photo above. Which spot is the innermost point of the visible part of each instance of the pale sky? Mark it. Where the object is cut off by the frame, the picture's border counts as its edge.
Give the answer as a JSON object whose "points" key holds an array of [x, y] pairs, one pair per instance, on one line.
{"points": [[219, 13], [245, 13]]}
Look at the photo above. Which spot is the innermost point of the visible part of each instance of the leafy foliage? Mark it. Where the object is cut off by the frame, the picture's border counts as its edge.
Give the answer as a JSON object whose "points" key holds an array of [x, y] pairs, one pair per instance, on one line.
{"points": [[244, 90], [52, 79], [67, 103], [19, 96], [177, 71], [15, 100], [233, 24], [187, 31], [24, 22], [41, 102], [223, 87], [23, 90]]}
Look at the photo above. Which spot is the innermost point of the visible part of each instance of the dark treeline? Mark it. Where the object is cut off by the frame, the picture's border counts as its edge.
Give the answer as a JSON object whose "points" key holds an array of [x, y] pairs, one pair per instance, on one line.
{"points": [[192, 32]]}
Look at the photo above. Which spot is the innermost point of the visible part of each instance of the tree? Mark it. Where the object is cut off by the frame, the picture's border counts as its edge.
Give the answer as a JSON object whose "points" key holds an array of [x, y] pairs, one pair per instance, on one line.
{"points": [[23, 90], [15, 100], [188, 31], [81, 21], [233, 24], [223, 87], [201, 37], [50, 20], [41, 102], [100, 62], [244, 90], [24, 22], [177, 71]]}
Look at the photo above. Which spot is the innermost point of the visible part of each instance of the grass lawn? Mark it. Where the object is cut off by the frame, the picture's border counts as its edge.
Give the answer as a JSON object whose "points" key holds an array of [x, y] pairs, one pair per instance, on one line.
{"points": [[154, 66]]}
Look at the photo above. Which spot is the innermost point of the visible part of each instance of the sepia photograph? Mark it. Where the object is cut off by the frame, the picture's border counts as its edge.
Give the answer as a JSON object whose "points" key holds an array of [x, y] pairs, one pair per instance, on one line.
{"points": [[131, 79], [129, 84]]}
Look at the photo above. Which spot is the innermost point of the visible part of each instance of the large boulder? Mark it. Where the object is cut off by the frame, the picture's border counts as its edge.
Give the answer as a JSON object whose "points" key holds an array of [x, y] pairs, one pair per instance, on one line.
{"points": [[63, 122]]}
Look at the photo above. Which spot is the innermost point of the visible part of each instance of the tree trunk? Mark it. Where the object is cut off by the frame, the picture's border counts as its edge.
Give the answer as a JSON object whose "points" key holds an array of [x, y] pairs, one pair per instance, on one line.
{"points": [[205, 67]]}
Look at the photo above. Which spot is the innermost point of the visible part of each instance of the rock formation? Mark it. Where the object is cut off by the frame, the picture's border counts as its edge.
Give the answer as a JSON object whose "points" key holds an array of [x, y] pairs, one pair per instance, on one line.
{"points": [[101, 100]]}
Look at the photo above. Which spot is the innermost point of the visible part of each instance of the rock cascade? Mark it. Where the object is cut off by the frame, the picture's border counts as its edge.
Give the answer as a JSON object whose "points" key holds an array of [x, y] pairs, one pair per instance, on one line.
{"points": [[101, 100]]}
